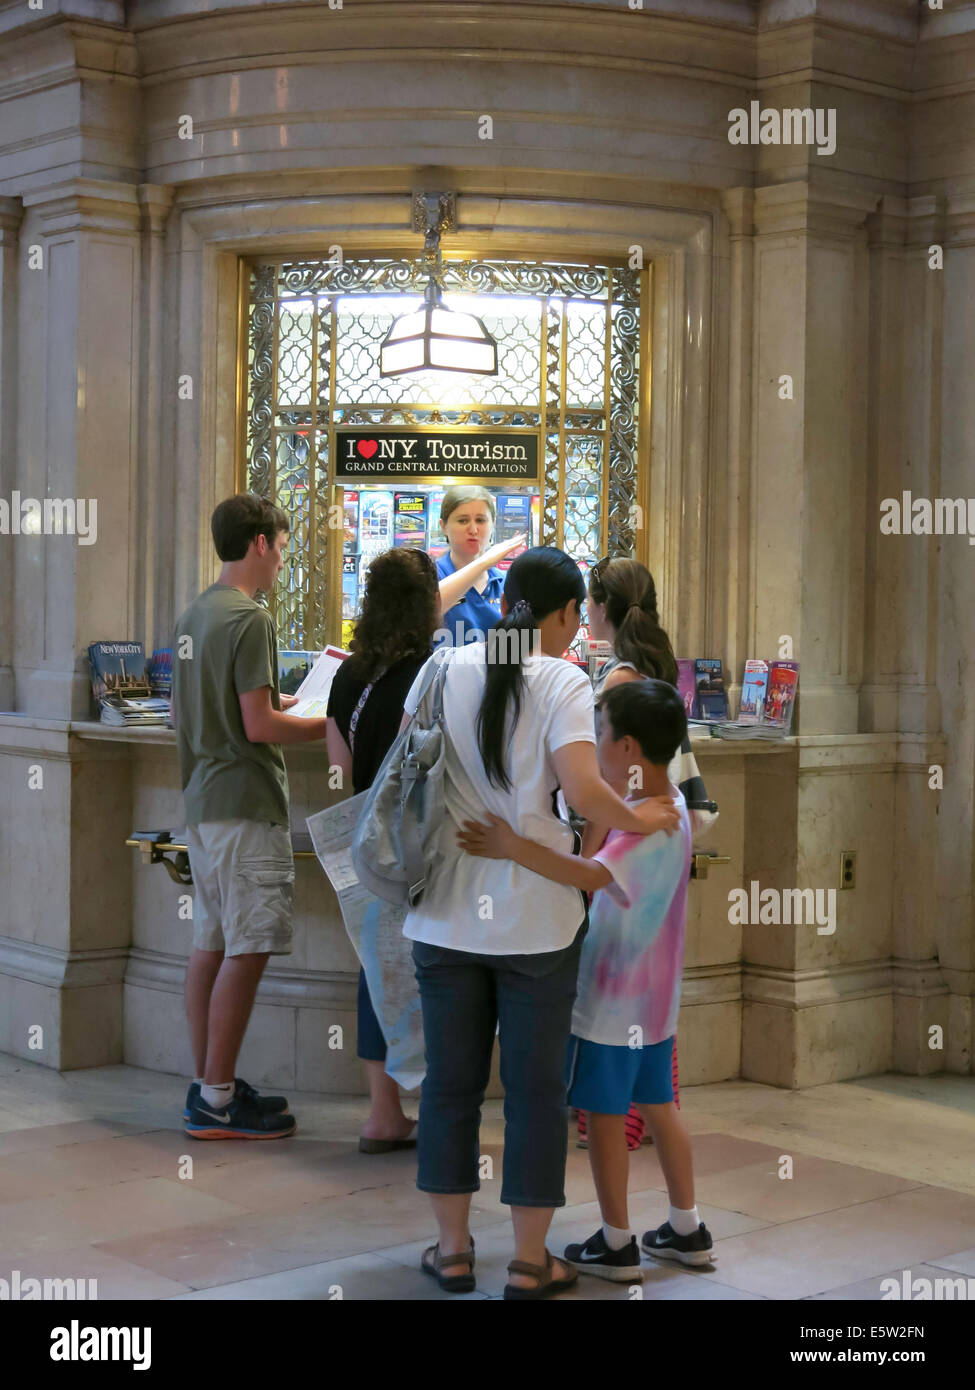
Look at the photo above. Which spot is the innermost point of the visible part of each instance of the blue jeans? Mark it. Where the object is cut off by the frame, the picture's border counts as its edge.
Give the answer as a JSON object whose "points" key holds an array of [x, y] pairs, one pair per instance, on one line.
{"points": [[371, 1043], [530, 998]]}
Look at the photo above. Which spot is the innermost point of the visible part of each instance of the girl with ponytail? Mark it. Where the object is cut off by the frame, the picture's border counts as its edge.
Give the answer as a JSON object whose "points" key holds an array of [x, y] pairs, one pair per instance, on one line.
{"points": [[623, 611], [495, 945]]}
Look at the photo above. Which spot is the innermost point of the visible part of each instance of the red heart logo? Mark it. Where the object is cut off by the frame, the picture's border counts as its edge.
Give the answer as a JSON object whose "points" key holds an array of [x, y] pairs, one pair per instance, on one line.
{"points": [[367, 447]]}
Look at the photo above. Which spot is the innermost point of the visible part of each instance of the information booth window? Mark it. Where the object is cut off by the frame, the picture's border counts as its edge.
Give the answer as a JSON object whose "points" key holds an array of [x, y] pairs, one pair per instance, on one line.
{"points": [[360, 462]]}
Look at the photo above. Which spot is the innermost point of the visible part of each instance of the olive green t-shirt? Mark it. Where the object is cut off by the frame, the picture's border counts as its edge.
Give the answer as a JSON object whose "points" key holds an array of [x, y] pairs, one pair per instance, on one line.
{"points": [[233, 649]]}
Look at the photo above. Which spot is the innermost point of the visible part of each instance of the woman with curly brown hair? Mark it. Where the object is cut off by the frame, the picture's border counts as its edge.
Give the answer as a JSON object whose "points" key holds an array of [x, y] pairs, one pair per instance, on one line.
{"points": [[392, 640]]}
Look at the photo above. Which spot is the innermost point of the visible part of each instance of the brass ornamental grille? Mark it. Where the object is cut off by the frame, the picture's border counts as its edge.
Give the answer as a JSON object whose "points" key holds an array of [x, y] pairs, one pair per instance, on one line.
{"points": [[568, 367]]}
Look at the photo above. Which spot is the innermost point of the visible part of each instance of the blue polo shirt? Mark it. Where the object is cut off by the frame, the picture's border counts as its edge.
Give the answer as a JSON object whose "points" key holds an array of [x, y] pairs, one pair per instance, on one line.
{"points": [[475, 612]]}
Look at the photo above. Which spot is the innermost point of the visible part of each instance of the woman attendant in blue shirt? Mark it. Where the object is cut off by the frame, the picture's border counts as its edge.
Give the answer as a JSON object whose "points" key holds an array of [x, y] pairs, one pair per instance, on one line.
{"points": [[470, 586]]}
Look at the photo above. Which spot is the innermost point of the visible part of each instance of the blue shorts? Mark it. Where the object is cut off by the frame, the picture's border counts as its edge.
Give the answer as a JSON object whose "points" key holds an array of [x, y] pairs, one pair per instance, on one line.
{"points": [[609, 1079]]}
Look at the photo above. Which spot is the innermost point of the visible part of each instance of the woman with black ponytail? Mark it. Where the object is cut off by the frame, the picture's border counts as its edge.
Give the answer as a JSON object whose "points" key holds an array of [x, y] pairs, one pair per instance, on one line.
{"points": [[496, 946]]}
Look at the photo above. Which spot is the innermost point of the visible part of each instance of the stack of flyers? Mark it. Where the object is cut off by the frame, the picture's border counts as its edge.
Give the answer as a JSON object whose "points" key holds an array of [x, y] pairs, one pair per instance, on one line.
{"points": [[133, 713], [768, 694]]}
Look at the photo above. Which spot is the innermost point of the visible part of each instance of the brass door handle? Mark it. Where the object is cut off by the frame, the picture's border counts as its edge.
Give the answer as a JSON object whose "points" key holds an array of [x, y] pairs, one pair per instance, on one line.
{"points": [[700, 863]]}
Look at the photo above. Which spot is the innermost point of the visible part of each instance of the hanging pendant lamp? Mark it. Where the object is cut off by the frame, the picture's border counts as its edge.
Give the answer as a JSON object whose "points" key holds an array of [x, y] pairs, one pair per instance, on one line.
{"points": [[435, 337]]}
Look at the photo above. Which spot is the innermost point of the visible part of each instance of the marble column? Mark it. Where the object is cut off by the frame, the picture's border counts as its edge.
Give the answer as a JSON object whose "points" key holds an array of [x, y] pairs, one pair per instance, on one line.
{"points": [[10, 217], [77, 434], [807, 476], [956, 646]]}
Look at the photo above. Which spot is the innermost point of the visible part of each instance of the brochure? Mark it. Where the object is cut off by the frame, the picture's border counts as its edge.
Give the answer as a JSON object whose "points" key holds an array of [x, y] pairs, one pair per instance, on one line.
{"points": [[710, 695], [514, 517], [313, 691], [410, 514], [118, 668], [753, 690], [783, 682], [685, 684], [375, 521], [293, 667], [350, 521], [161, 672]]}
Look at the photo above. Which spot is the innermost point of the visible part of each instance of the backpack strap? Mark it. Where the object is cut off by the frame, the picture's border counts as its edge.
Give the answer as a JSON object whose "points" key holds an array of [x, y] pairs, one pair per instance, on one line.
{"points": [[360, 707]]}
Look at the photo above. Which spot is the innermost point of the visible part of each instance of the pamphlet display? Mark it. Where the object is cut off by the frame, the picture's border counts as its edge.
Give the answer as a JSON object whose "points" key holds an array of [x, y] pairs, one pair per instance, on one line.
{"points": [[120, 685], [768, 696]]}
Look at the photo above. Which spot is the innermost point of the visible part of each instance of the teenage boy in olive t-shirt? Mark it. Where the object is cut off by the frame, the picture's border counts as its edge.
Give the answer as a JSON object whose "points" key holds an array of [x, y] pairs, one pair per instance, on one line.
{"points": [[229, 729]]}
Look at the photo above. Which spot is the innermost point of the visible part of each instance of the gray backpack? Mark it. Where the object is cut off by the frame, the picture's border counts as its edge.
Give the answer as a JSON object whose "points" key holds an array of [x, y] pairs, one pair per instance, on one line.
{"points": [[396, 838]]}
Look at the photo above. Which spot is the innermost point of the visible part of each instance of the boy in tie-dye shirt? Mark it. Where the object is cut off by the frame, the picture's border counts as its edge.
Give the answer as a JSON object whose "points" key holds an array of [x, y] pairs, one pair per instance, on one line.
{"points": [[629, 984]]}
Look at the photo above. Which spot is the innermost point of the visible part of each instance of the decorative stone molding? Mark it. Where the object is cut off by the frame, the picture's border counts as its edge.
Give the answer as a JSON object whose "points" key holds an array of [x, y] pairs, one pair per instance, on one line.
{"points": [[86, 205], [309, 988], [807, 207], [45, 965], [837, 984]]}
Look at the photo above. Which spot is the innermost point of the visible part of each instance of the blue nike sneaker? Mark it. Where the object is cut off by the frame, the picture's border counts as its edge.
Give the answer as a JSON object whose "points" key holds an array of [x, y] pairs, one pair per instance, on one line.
{"points": [[271, 1105], [242, 1118]]}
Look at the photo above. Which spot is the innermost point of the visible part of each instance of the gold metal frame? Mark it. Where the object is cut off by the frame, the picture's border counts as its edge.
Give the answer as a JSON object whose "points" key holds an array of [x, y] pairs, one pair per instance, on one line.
{"points": [[459, 251]]}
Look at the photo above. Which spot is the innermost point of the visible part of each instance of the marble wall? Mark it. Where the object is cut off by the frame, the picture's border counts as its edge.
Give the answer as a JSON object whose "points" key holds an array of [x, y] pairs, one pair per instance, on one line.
{"points": [[770, 263]]}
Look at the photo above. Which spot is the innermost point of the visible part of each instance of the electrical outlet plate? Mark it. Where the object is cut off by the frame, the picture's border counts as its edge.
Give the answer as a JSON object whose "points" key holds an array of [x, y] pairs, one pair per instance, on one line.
{"points": [[848, 869]]}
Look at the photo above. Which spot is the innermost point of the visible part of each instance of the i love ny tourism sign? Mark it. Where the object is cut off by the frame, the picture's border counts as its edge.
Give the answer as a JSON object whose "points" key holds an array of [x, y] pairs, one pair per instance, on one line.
{"points": [[362, 454]]}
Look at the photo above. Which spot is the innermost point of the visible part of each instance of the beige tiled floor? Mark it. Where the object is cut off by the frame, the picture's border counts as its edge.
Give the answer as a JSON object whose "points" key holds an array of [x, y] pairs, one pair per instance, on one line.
{"points": [[94, 1184]]}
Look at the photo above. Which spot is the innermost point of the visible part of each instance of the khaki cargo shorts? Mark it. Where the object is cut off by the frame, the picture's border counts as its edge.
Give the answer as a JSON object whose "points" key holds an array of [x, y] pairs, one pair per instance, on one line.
{"points": [[244, 875]]}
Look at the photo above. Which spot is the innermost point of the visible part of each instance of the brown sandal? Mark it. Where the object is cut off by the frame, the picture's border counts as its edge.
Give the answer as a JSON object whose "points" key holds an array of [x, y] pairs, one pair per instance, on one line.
{"points": [[546, 1284], [450, 1283]]}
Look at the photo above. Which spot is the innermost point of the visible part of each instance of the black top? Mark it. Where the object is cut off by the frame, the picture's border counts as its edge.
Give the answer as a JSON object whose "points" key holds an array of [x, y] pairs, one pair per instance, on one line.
{"points": [[380, 718]]}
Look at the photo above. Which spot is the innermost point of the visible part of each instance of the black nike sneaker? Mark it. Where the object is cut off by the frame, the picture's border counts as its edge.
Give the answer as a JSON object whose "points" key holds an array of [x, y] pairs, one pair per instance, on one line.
{"points": [[271, 1105], [665, 1244], [241, 1119], [595, 1257]]}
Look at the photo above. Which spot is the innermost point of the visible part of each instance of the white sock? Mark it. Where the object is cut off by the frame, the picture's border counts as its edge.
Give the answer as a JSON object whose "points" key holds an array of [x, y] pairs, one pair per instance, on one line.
{"points": [[616, 1238], [217, 1096], [684, 1223], [198, 1081]]}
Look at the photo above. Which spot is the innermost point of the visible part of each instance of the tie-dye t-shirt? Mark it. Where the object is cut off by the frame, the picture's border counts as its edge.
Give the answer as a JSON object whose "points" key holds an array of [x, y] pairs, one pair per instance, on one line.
{"points": [[633, 954]]}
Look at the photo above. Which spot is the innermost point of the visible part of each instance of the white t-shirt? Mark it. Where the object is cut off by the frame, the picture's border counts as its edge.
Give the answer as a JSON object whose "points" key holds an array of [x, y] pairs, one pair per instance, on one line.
{"points": [[493, 906]]}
